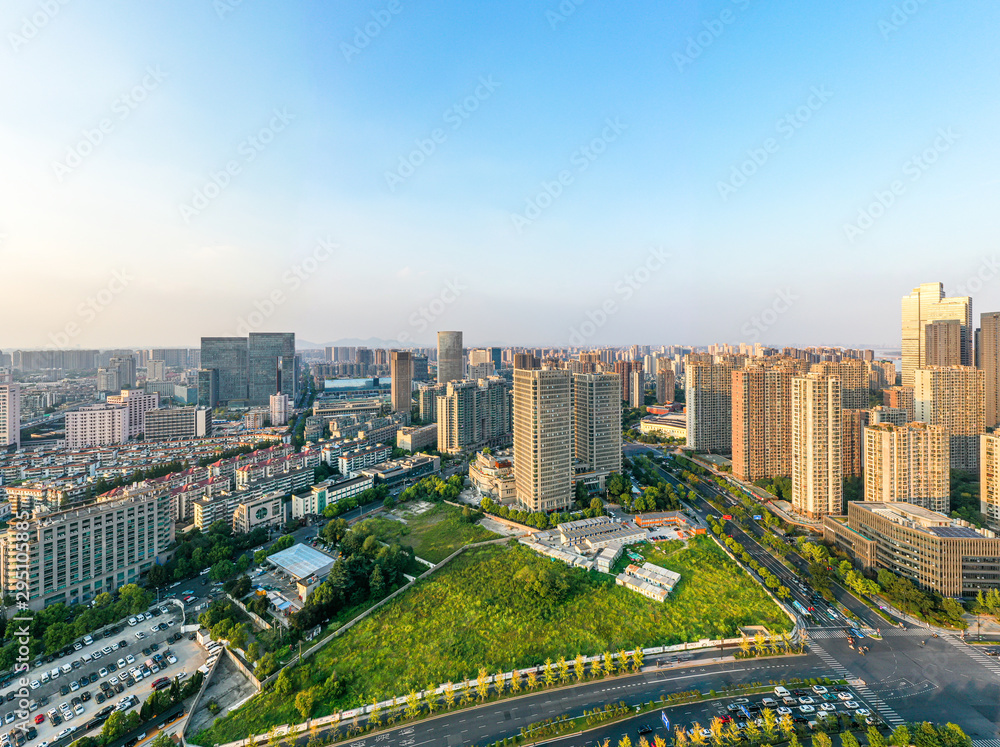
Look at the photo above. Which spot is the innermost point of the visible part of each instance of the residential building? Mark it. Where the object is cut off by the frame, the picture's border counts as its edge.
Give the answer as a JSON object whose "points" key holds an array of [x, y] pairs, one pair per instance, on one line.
{"points": [[883, 414], [853, 376], [908, 463], [953, 397], [451, 357], [76, 554], [176, 423], [761, 422], [281, 409], [474, 414], [852, 441], [419, 368], [925, 304], [625, 369], [427, 396], [597, 423], [96, 425], [881, 374], [637, 389], [136, 402], [156, 370], [543, 438], [329, 493], [10, 415], [989, 478], [352, 462], [940, 554], [943, 343], [107, 380], [901, 398], [665, 382], [709, 400], [264, 511], [817, 459], [988, 359], [125, 366], [417, 438]]}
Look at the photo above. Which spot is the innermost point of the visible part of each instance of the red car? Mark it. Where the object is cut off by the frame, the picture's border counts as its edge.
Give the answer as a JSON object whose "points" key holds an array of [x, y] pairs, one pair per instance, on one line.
{"points": [[39, 718], [188, 599]]}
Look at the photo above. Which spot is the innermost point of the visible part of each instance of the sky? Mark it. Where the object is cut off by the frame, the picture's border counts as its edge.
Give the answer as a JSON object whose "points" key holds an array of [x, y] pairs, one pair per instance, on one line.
{"points": [[532, 173]]}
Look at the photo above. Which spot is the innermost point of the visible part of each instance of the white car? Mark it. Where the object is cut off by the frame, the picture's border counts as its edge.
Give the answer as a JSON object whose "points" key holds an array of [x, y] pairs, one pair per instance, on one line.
{"points": [[806, 700], [132, 621], [63, 733], [43, 743], [35, 684], [181, 676], [106, 650], [78, 710], [171, 659], [850, 704], [103, 673], [863, 712], [768, 702], [807, 709], [113, 681], [74, 686], [820, 690], [121, 663], [828, 707], [140, 635], [784, 711], [844, 696]]}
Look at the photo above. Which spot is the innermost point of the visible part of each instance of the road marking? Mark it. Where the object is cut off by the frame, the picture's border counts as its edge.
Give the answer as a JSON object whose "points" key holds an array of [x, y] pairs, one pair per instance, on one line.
{"points": [[885, 711], [988, 662]]}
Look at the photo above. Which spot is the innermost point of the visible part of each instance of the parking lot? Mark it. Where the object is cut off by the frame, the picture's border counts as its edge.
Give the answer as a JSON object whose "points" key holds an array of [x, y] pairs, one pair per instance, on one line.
{"points": [[99, 676]]}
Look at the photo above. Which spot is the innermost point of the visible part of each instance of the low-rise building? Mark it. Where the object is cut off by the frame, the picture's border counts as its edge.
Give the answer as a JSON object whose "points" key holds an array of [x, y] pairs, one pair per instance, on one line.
{"points": [[329, 493], [494, 477], [939, 553], [417, 437], [608, 556], [673, 425], [352, 462], [267, 510], [177, 423], [661, 519], [409, 469]]}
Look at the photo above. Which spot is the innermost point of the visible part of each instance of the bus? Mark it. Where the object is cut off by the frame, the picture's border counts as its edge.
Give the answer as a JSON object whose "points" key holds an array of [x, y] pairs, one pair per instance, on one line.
{"points": [[801, 610]]}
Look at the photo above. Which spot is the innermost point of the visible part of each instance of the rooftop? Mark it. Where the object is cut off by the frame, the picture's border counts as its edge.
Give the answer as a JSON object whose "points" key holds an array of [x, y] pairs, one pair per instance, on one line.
{"points": [[300, 561]]}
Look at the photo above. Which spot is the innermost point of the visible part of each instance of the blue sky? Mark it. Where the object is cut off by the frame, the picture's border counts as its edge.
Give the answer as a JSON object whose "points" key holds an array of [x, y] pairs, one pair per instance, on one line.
{"points": [[315, 120]]}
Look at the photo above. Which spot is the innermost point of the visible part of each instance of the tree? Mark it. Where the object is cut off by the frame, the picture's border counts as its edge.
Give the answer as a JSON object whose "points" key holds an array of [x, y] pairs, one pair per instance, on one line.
{"points": [[304, 702], [900, 737], [847, 739], [222, 570], [697, 738], [745, 645], [283, 685], [875, 738], [622, 661], [822, 739], [532, 679], [716, 728], [609, 663], [637, 660], [449, 695], [412, 705], [579, 666], [515, 681], [563, 669], [377, 582], [162, 740], [548, 677], [483, 684], [596, 506]]}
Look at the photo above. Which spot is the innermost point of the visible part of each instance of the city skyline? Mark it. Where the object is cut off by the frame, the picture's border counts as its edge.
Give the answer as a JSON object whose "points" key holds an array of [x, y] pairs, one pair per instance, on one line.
{"points": [[514, 184]]}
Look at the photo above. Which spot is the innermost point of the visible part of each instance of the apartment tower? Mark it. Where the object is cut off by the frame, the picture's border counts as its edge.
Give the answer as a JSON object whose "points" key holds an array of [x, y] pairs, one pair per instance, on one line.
{"points": [[817, 459], [597, 422], [953, 397], [761, 422], [908, 463], [988, 356], [925, 304], [451, 357], [401, 371]]}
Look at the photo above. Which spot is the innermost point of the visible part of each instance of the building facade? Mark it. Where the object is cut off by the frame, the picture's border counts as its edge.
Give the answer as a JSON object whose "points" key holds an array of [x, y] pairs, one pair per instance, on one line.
{"points": [[474, 414], [177, 423], [925, 304], [953, 397], [908, 463], [543, 438], [817, 459], [96, 425], [401, 372], [709, 399], [451, 357], [988, 359], [136, 403], [10, 415], [761, 422], [597, 422]]}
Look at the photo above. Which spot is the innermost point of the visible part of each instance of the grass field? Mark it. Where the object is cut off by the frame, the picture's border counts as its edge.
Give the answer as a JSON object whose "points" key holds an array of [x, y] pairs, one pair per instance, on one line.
{"points": [[434, 534], [486, 609]]}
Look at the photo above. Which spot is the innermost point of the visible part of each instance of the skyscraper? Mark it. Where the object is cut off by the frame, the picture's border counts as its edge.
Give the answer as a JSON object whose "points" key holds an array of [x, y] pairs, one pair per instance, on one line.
{"points": [[761, 422], [989, 478], [451, 357], [943, 343], [817, 480], [908, 463], [597, 422], [927, 303], [953, 397], [265, 365], [401, 371], [637, 389], [208, 387], [125, 364], [852, 441], [708, 394], [988, 354], [665, 382], [543, 438], [853, 375], [473, 414], [228, 356]]}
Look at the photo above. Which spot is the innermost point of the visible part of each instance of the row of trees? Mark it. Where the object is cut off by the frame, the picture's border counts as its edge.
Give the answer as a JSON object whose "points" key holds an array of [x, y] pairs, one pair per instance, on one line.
{"points": [[59, 625], [774, 729], [365, 497], [771, 581], [539, 519], [200, 550]]}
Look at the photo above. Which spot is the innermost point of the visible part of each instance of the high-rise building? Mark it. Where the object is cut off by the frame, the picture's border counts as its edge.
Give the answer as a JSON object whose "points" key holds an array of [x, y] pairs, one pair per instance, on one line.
{"points": [[208, 387], [228, 356], [953, 397], [665, 382], [107, 380], [817, 459], [427, 399], [401, 372], [96, 425], [853, 375], [988, 357], [125, 364], [852, 429], [73, 555], [927, 303], [761, 422], [908, 463], [943, 343], [266, 367], [281, 409], [900, 398], [10, 414], [526, 361], [451, 357], [473, 414], [881, 374], [156, 370], [891, 415], [136, 402], [637, 389], [625, 369], [708, 395], [597, 422], [989, 478], [543, 438], [420, 370]]}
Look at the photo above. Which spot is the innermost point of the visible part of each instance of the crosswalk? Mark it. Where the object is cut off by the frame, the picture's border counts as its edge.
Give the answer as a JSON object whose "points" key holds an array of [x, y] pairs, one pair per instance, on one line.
{"points": [[889, 715], [986, 743], [988, 662]]}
